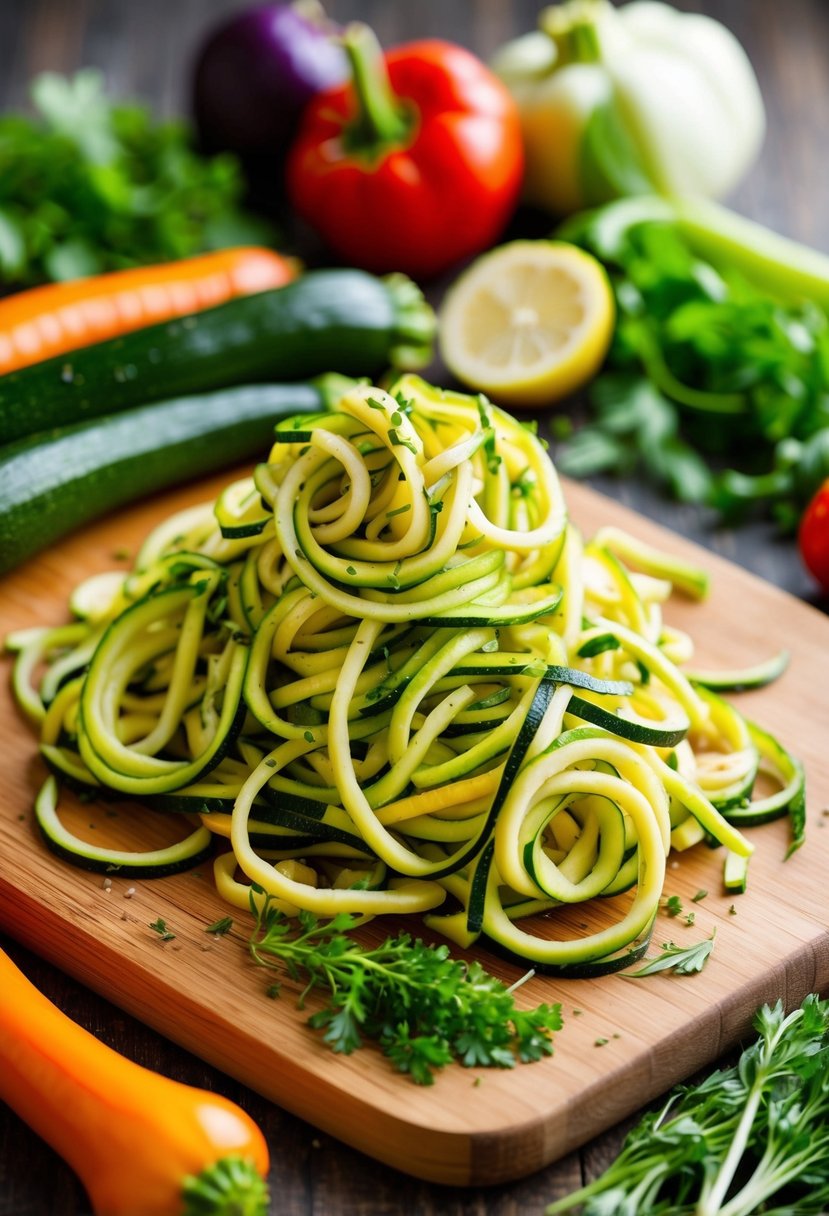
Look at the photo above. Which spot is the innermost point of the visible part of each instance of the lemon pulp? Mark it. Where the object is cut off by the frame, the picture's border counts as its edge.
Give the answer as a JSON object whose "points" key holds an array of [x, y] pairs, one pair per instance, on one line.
{"points": [[529, 322]]}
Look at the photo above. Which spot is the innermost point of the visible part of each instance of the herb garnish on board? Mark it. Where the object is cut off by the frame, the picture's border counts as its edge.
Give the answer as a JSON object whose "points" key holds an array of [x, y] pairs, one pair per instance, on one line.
{"points": [[421, 1006]]}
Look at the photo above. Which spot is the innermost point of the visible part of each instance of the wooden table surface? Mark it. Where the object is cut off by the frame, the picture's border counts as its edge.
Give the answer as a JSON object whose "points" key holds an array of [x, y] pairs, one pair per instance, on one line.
{"points": [[145, 49]]}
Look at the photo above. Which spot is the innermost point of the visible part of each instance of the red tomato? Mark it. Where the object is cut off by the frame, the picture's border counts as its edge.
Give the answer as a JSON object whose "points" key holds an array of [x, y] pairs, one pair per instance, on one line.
{"points": [[813, 536]]}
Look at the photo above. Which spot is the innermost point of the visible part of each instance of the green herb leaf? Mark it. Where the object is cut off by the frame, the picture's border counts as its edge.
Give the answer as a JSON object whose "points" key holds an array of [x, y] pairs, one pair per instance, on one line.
{"points": [[704, 370], [422, 1007], [682, 960], [220, 927], [88, 185], [749, 1138], [160, 927]]}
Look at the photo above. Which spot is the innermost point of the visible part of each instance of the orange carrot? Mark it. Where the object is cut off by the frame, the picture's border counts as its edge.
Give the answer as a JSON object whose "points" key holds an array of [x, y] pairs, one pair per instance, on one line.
{"points": [[140, 1142], [61, 317]]}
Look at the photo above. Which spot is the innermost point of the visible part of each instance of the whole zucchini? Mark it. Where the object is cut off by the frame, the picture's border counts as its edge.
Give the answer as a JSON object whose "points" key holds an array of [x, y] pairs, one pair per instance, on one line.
{"points": [[327, 320], [52, 483]]}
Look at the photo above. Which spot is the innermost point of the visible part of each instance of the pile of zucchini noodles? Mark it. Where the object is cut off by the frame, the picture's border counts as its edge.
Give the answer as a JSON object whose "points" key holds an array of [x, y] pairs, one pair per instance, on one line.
{"points": [[389, 671]]}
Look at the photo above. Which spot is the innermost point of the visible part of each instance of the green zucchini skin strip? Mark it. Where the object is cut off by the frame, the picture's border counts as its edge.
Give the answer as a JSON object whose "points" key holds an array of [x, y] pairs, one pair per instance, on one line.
{"points": [[108, 760], [789, 800], [587, 970], [388, 671], [154, 863], [637, 732], [51, 484], [741, 679]]}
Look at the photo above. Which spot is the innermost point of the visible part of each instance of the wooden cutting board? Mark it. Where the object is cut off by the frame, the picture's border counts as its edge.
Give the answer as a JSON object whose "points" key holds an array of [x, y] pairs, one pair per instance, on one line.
{"points": [[624, 1041]]}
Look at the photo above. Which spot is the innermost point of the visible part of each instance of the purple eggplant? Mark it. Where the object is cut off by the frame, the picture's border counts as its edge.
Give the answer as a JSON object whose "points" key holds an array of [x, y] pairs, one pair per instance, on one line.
{"points": [[254, 75]]}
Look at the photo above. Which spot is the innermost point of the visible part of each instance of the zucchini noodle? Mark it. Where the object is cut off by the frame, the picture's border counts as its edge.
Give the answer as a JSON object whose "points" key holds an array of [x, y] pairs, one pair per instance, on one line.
{"points": [[386, 674]]}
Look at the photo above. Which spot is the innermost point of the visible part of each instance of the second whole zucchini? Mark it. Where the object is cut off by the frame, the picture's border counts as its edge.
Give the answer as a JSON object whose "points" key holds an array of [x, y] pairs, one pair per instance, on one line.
{"points": [[52, 483], [326, 321]]}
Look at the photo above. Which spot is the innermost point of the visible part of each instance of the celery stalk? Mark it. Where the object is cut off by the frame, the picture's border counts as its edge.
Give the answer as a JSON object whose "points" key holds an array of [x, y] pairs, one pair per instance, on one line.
{"points": [[778, 265], [781, 266]]}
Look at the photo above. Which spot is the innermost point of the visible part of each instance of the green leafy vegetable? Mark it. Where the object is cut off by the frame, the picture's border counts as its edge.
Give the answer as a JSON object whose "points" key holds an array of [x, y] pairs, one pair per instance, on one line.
{"points": [[423, 1007], [88, 186], [682, 960], [708, 368], [750, 1138]]}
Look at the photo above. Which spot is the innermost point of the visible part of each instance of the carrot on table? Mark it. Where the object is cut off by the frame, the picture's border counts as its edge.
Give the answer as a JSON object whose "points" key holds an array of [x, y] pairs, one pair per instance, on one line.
{"points": [[59, 317]]}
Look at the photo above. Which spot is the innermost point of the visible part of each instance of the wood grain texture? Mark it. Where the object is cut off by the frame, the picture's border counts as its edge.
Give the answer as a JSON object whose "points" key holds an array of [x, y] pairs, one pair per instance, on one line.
{"points": [[471, 1128]]}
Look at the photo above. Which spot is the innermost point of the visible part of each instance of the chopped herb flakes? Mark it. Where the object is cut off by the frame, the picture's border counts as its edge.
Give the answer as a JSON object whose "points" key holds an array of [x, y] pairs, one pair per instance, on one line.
{"points": [[160, 927], [220, 927]]}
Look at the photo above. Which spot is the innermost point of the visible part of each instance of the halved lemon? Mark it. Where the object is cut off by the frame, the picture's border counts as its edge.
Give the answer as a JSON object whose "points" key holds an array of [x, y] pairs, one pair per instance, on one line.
{"points": [[528, 323]]}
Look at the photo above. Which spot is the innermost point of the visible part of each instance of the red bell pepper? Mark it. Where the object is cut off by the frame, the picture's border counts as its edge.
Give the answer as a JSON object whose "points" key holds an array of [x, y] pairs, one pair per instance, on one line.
{"points": [[414, 164]]}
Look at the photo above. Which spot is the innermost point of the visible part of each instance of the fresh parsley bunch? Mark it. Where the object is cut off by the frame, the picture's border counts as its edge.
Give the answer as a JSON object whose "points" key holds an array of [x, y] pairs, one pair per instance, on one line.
{"points": [[88, 186], [715, 388], [750, 1138], [421, 1006]]}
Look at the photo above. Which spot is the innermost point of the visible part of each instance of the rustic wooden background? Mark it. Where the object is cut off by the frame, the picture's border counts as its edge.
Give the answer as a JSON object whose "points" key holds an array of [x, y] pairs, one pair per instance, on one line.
{"points": [[145, 47]]}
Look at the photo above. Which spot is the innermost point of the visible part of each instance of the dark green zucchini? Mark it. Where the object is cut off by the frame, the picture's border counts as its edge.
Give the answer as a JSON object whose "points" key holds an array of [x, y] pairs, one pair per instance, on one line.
{"points": [[52, 483], [328, 320]]}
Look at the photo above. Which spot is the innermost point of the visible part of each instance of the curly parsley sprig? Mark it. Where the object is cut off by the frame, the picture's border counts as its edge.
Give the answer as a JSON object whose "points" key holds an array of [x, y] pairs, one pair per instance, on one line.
{"points": [[421, 1006], [715, 387], [89, 184]]}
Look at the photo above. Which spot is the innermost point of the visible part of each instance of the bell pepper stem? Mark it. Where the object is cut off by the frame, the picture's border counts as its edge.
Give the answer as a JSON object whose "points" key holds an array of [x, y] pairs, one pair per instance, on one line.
{"points": [[574, 30], [380, 119]]}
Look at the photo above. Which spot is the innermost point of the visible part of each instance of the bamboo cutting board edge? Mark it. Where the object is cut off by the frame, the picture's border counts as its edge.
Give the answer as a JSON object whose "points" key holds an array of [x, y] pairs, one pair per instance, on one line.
{"points": [[455, 1156], [512, 1123]]}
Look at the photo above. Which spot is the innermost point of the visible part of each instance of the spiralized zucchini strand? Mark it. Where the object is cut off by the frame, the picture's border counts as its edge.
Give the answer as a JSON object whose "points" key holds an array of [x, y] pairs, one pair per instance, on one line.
{"points": [[390, 678]]}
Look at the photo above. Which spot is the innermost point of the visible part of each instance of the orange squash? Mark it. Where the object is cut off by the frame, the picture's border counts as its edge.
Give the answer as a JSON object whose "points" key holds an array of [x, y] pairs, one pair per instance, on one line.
{"points": [[142, 1144]]}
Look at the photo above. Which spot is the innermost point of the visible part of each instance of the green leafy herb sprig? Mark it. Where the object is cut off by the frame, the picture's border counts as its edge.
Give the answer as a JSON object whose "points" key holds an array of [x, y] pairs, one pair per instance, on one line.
{"points": [[87, 185], [681, 960], [750, 1138], [715, 389], [421, 1006]]}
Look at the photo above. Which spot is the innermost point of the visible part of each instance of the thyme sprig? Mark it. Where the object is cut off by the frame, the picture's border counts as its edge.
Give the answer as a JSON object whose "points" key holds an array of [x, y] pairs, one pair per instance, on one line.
{"points": [[753, 1137], [681, 960]]}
